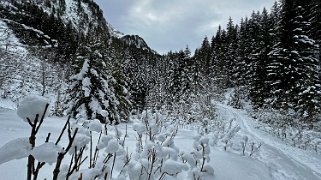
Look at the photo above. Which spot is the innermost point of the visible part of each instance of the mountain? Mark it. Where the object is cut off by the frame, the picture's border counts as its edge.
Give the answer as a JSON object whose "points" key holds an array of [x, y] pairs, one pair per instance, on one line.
{"points": [[136, 41], [61, 23], [41, 41]]}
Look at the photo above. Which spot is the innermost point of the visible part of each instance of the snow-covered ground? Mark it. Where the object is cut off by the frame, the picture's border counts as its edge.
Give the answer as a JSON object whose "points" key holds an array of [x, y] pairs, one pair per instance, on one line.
{"points": [[285, 162], [273, 160]]}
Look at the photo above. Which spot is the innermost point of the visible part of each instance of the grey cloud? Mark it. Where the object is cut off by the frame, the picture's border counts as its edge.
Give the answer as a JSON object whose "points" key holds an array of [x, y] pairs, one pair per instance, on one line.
{"points": [[171, 25]]}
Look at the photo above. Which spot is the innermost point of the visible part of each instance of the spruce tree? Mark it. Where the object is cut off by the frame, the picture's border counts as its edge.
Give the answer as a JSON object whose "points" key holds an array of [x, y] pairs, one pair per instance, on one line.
{"points": [[308, 64], [231, 47], [259, 90], [315, 31], [90, 94], [294, 66], [241, 68], [281, 68]]}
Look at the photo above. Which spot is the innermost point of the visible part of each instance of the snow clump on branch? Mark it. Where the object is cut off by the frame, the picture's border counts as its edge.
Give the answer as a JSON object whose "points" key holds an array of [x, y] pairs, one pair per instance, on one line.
{"points": [[30, 106]]}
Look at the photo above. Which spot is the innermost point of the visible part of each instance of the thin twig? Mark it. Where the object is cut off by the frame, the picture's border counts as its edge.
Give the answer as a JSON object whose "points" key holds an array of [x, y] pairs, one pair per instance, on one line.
{"points": [[63, 130], [42, 118]]}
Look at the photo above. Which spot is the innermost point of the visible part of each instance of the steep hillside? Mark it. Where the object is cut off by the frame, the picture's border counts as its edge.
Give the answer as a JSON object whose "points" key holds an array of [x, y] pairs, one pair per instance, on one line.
{"points": [[136, 41], [44, 43]]}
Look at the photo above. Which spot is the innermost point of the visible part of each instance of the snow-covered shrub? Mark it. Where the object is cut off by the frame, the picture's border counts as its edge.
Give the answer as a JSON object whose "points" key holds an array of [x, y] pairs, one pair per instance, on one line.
{"points": [[156, 156], [290, 128], [33, 109], [47, 152], [86, 149], [198, 159], [244, 144]]}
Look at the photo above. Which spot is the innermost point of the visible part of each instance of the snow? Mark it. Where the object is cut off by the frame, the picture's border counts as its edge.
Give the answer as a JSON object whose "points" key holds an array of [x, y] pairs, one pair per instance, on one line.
{"points": [[86, 86], [15, 149], [274, 160], [30, 106], [47, 152], [7, 104], [83, 71], [81, 140], [229, 166], [284, 161], [95, 125], [112, 146], [173, 167], [11, 43], [139, 128], [104, 141]]}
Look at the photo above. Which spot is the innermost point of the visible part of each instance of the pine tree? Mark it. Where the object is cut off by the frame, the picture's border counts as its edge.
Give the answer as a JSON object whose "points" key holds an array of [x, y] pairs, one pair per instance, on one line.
{"points": [[315, 17], [120, 86], [219, 63], [230, 56], [204, 56], [308, 83], [241, 68], [294, 68], [263, 42], [90, 93], [176, 86], [196, 73], [281, 68]]}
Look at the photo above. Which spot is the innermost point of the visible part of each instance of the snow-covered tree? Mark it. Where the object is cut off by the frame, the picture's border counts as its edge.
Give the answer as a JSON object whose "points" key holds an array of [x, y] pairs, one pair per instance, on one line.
{"points": [[90, 93]]}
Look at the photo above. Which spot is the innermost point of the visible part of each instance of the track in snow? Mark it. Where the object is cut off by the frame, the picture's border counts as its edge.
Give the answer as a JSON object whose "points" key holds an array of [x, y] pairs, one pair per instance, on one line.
{"points": [[285, 162]]}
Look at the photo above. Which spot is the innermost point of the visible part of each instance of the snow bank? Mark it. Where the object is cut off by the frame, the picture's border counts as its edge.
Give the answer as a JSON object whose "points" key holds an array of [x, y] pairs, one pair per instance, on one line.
{"points": [[230, 166], [30, 106]]}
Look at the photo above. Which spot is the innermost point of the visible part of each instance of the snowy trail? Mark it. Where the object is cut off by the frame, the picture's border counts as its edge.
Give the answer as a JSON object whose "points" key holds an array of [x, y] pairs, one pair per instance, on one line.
{"points": [[285, 162]]}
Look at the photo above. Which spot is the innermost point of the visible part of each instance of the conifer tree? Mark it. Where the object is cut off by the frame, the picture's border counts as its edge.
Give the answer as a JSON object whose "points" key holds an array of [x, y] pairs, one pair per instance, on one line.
{"points": [[315, 31], [241, 68], [230, 56], [259, 90], [307, 61], [90, 93], [294, 66], [281, 68]]}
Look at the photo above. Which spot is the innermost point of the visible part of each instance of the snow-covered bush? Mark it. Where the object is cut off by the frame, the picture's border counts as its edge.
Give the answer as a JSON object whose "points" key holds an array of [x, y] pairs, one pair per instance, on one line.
{"points": [[237, 97], [156, 154], [86, 149], [33, 109], [290, 128], [199, 158]]}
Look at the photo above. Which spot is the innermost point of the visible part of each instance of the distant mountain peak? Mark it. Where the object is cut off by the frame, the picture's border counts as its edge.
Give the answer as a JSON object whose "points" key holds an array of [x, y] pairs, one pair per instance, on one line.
{"points": [[135, 40]]}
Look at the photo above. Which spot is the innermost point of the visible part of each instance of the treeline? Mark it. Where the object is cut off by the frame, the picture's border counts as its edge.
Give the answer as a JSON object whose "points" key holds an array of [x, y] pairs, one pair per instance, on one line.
{"points": [[274, 56]]}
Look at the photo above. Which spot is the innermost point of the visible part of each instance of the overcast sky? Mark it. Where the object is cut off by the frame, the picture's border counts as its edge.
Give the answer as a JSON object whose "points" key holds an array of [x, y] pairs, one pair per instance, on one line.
{"points": [[172, 24]]}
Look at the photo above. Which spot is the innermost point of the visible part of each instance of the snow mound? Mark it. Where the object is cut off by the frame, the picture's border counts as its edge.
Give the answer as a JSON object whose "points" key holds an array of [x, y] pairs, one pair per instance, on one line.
{"points": [[30, 106], [47, 153], [15, 149]]}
